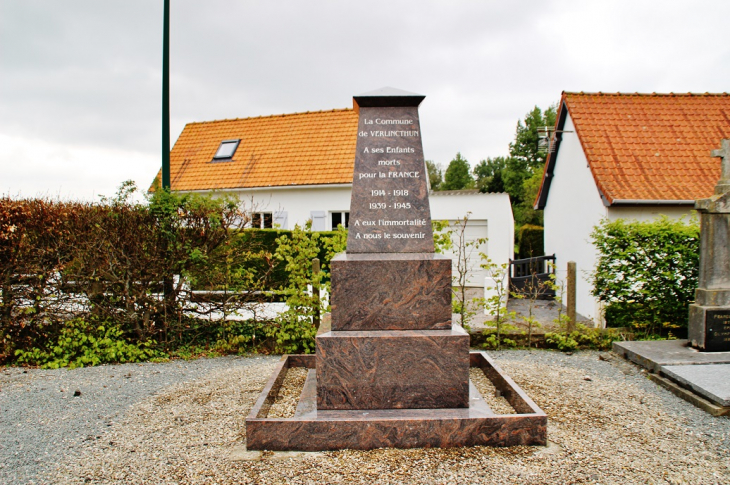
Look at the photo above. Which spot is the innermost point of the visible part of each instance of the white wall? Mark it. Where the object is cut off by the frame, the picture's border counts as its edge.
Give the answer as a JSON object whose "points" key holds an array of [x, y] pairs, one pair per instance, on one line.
{"points": [[572, 209], [649, 212], [490, 218], [298, 203]]}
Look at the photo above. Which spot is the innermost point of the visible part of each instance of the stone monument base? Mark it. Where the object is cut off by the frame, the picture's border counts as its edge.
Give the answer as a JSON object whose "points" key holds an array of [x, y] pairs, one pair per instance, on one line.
{"points": [[312, 429], [391, 291], [393, 369], [709, 327], [709, 315]]}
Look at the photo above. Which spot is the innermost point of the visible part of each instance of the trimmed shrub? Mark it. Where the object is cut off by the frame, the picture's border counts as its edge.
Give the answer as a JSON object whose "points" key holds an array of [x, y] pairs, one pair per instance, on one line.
{"points": [[117, 262], [646, 272], [531, 241], [138, 268]]}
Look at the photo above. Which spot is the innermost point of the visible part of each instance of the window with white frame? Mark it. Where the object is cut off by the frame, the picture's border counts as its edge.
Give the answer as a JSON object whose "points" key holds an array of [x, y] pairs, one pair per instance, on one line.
{"points": [[262, 220], [340, 217]]}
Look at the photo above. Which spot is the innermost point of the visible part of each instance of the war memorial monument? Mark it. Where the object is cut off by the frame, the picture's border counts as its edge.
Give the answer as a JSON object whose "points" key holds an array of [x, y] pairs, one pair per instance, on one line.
{"points": [[391, 370]]}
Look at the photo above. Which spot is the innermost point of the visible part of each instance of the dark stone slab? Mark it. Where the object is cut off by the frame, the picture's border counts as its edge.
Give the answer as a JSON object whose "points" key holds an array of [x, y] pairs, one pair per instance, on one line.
{"points": [[652, 355], [710, 380], [406, 291], [387, 96], [389, 209], [315, 430], [709, 328], [393, 369]]}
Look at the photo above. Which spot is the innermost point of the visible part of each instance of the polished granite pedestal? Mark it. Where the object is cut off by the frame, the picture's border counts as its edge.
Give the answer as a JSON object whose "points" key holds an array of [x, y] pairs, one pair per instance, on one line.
{"points": [[391, 291], [393, 369], [391, 344], [381, 381], [312, 429]]}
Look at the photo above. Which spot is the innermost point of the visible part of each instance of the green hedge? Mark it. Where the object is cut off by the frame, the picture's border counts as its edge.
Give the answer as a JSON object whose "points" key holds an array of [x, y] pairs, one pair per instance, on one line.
{"points": [[120, 273], [531, 241], [646, 272], [265, 241]]}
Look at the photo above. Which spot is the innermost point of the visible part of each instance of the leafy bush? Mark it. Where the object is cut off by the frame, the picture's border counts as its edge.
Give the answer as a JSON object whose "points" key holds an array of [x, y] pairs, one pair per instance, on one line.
{"points": [[646, 272], [123, 262], [139, 267], [294, 329], [583, 338], [495, 341], [83, 343], [531, 241]]}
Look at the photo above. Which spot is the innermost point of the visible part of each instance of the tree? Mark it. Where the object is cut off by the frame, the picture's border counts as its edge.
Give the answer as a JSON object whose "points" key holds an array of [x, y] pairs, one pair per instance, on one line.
{"points": [[435, 175], [458, 175], [525, 147], [489, 174], [525, 165]]}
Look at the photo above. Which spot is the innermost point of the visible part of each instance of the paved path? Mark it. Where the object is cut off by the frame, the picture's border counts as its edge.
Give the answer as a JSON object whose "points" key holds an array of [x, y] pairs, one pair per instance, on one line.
{"points": [[546, 312]]}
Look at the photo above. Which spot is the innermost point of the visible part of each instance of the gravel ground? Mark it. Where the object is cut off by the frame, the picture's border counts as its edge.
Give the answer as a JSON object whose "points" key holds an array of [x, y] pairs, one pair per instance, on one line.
{"points": [[607, 424], [42, 422], [496, 402], [288, 397]]}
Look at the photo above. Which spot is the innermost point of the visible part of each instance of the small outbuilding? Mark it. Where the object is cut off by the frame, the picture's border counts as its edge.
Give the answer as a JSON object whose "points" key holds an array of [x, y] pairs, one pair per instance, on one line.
{"points": [[629, 156]]}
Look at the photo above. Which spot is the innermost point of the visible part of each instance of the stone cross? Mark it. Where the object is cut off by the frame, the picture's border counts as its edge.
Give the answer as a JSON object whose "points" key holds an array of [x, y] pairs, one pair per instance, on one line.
{"points": [[724, 153], [709, 315]]}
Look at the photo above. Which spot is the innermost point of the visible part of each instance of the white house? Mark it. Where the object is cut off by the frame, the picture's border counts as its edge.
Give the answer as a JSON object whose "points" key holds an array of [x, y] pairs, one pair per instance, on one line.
{"points": [[297, 167], [629, 156]]}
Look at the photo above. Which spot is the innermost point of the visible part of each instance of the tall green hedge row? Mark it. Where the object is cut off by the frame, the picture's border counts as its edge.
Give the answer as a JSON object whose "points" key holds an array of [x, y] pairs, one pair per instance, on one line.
{"points": [[124, 273]]}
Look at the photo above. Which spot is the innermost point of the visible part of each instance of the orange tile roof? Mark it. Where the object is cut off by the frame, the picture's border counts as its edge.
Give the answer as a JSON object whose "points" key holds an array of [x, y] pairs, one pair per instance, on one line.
{"points": [[280, 150], [650, 147]]}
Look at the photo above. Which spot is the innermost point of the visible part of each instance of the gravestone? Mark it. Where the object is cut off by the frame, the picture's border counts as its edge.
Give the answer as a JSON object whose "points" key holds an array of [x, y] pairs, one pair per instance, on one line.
{"points": [[391, 343], [709, 315]]}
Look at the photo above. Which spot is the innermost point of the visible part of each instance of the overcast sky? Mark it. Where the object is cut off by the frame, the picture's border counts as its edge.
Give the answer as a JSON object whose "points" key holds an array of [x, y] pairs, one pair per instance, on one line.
{"points": [[80, 80]]}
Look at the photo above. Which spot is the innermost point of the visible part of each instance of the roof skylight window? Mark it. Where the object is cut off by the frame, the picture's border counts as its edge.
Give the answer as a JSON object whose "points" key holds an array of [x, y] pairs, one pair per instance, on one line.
{"points": [[226, 150]]}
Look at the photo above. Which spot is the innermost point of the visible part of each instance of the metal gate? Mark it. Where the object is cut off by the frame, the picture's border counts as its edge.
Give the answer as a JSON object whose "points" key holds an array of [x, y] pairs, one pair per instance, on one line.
{"points": [[530, 275]]}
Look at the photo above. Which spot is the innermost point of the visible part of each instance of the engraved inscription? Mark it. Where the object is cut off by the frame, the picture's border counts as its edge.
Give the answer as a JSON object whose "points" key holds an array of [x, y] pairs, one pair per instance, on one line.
{"points": [[718, 331], [389, 211]]}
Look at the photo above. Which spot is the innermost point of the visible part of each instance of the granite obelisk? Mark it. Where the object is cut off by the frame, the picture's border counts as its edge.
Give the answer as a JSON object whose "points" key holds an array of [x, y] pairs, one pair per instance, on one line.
{"points": [[392, 344]]}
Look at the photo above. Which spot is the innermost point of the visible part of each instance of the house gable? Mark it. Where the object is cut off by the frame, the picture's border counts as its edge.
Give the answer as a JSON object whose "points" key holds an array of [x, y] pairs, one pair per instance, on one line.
{"points": [[645, 148], [575, 207]]}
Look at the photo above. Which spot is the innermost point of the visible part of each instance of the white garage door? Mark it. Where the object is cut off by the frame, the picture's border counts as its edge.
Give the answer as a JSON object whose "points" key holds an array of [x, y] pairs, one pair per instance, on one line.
{"points": [[475, 229]]}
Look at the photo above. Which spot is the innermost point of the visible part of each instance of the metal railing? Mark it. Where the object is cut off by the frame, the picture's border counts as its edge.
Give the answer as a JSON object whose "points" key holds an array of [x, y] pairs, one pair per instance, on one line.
{"points": [[530, 275]]}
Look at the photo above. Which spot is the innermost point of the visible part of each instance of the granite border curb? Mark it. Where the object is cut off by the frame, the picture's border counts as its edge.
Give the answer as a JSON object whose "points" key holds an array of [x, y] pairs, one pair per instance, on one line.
{"points": [[312, 430]]}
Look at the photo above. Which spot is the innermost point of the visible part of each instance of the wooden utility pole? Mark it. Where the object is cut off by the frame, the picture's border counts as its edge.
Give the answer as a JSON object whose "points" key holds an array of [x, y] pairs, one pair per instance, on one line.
{"points": [[571, 296]]}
